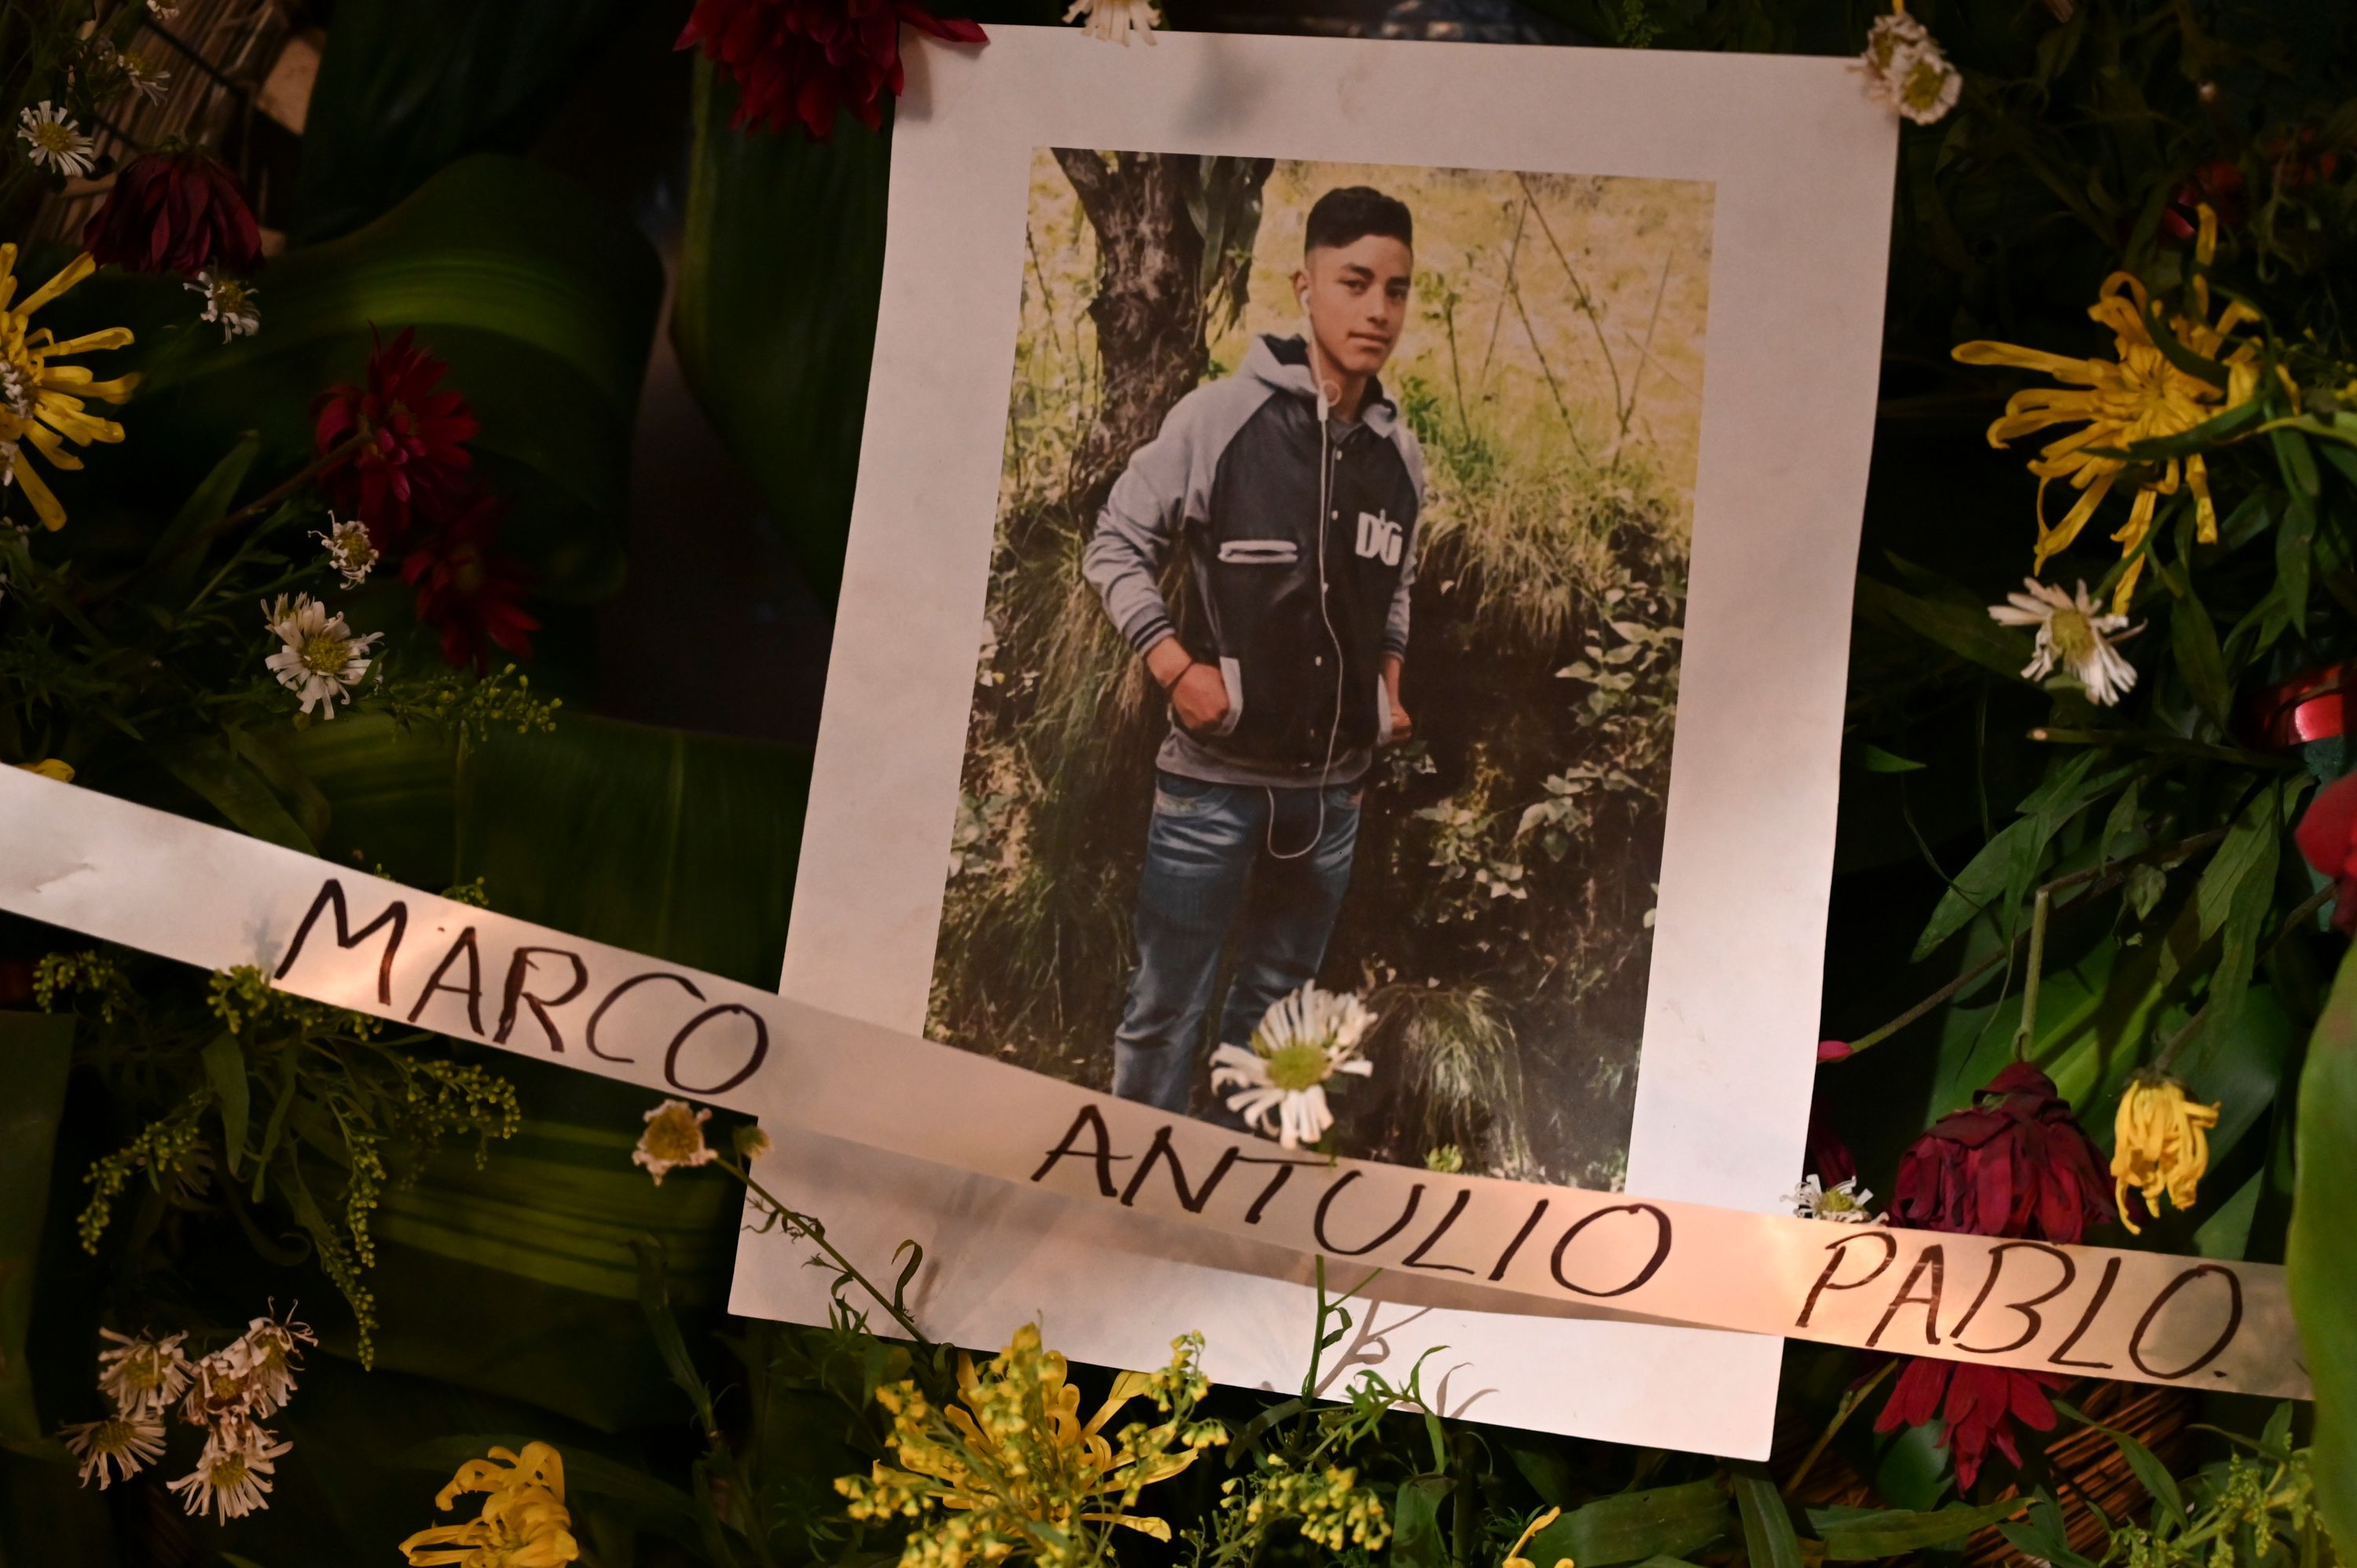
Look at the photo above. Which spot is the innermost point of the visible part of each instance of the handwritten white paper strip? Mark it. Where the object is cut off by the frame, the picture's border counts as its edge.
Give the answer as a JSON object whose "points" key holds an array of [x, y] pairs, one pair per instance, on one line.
{"points": [[209, 897]]}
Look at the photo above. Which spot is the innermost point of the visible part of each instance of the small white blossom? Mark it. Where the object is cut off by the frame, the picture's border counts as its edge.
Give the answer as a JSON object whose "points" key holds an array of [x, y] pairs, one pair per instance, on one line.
{"points": [[350, 550], [2073, 635], [15, 390], [233, 1474], [674, 1137], [229, 302], [1906, 72], [145, 77], [163, 11], [141, 1374], [117, 1448], [1115, 21], [322, 659], [1846, 1202], [1304, 1043], [272, 1353], [53, 141]]}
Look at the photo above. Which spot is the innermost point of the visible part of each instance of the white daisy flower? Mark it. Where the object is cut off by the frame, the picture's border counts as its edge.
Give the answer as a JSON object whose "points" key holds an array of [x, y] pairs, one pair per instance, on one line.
{"points": [[2073, 635], [233, 1474], [229, 302], [272, 1354], [674, 1137], [1115, 21], [117, 1448], [163, 12], [1302, 1043], [53, 141], [1906, 72], [322, 660], [144, 76], [223, 1389], [350, 550], [141, 1374], [1846, 1202]]}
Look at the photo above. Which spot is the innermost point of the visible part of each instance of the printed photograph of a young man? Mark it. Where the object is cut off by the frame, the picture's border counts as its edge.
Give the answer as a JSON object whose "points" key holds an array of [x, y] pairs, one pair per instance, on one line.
{"points": [[1315, 774]]}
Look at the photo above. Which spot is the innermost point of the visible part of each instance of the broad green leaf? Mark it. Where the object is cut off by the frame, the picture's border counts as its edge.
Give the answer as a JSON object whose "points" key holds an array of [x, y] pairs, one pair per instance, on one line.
{"points": [[539, 293], [1769, 1539], [224, 781], [1417, 1539], [1874, 759], [224, 1061], [2195, 641], [392, 796], [2169, 1513], [779, 272], [1983, 880], [1964, 630], [406, 87], [36, 1050], [174, 555], [1672, 1521], [2235, 900], [1861, 1535], [2322, 1265], [665, 843]]}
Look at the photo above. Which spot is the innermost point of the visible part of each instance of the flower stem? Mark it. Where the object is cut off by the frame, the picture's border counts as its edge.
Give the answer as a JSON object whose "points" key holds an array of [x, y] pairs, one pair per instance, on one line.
{"points": [[270, 498], [1850, 1402], [812, 1231]]}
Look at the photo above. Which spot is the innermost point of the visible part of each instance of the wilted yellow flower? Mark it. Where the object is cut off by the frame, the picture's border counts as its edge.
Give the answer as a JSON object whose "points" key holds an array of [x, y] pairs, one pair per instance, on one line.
{"points": [[41, 400], [674, 1137], [1514, 1559], [524, 1522], [49, 767], [1011, 1467], [2160, 1144], [2139, 396]]}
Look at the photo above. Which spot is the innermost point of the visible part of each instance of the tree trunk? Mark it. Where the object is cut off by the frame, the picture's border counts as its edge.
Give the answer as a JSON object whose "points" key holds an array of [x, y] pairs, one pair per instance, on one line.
{"points": [[1150, 307]]}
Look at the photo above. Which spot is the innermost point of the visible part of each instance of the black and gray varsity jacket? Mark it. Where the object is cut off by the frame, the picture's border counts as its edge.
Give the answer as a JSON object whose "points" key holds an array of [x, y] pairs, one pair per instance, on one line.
{"points": [[1232, 479]]}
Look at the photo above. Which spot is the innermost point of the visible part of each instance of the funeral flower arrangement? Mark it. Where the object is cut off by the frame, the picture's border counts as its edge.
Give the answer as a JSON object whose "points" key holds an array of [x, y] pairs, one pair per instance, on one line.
{"points": [[316, 435]]}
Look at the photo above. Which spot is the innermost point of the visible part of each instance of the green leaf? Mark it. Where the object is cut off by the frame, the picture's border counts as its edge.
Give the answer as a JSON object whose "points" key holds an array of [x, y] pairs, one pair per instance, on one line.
{"points": [[36, 1050], [1874, 759], [206, 505], [1964, 630], [1417, 1539], [1671, 1521], [780, 269], [2234, 899], [2322, 1265], [679, 845], [2195, 641], [224, 1061], [406, 87], [539, 293], [230, 786], [2169, 1516], [1860, 1535], [1998, 865], [1769, 1539]]}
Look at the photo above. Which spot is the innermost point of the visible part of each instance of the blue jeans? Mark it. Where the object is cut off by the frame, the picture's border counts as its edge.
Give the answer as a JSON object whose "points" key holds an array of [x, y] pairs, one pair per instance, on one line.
{"points": [[1210, 877]]}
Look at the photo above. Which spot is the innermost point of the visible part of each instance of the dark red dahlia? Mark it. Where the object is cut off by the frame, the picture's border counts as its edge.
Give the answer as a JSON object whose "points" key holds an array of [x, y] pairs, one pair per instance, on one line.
{"points": [[2327, 836], [1975, 1404], [414, 456], [468, 592], [2014, 1163], [805, 59], [2216, 183], [180, 211]]}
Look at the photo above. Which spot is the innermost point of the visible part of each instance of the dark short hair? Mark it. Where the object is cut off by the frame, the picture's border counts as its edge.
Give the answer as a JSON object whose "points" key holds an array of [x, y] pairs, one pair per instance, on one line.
{"points": [[1349, 213]]}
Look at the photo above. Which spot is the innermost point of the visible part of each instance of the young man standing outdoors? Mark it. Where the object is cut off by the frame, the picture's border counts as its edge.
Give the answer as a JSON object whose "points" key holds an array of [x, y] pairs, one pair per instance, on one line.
{"points": [[1292, 490]]}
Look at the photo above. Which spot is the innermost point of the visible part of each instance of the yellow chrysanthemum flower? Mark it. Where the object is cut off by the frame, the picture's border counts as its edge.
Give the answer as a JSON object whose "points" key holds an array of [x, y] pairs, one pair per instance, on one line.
{"points": [[524, 1522], [2139, 396], [41, 399], [1013, 1465], [1515, 1558], [2161, 1145]]}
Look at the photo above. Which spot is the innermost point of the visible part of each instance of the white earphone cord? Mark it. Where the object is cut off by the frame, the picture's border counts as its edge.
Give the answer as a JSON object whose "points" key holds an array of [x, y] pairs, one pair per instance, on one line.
{"points": [[1325, 613]]}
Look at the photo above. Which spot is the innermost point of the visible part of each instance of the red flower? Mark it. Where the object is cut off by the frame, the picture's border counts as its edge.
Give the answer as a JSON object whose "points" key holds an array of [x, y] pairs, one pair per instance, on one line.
{"points": [[2015, 1163], [2298, 159], [1976, 1404], [804, 59], [175, 212], [415, 453], [472, 596], [2216, 183], [2327, 836]]}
